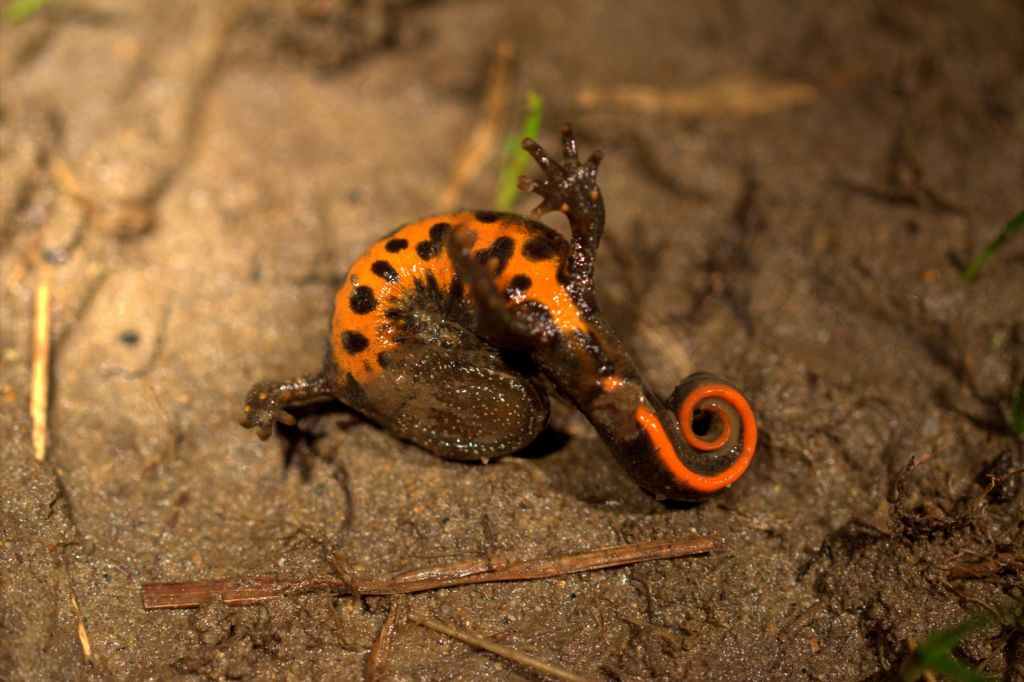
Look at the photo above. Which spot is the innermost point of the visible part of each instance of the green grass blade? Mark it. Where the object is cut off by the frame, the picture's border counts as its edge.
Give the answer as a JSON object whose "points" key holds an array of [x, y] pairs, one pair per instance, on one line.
{"points": [[514, 159], [16, 10], [952, 669], [1011, 228], [935, 653]]}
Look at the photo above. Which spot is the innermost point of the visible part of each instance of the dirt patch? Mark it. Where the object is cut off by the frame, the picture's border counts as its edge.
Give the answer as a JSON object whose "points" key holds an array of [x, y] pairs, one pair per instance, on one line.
{"points": [[200, 176]]}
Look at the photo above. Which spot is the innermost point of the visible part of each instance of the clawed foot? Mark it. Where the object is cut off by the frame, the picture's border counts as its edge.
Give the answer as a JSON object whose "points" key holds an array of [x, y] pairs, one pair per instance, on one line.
{"points": [[263, 408], [569, 187]]}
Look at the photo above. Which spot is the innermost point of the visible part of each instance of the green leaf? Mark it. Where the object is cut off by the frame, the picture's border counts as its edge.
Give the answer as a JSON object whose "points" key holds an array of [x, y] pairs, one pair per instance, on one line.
{"points": [[17, 10]]}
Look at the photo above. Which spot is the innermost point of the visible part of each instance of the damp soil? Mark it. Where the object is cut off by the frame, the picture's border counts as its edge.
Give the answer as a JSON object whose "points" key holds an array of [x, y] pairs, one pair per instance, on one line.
{"points": [[791, 203]]}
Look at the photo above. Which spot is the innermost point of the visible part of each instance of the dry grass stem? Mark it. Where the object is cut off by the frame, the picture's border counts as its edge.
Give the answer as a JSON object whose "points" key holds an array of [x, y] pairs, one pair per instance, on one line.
{"points": [[378, 658], [729, 96], [39, 399], [483, 140], [83, 634], [550, 669]]}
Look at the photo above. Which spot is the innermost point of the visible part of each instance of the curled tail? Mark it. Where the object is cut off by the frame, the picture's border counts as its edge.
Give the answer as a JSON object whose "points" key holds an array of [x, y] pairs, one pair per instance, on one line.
{"points": [[699, 442], [702, 444], [704, 439]]}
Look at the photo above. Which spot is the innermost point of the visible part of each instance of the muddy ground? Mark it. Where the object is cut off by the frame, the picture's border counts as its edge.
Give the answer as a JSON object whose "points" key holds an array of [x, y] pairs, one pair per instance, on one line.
{"points": [[790, 206]]}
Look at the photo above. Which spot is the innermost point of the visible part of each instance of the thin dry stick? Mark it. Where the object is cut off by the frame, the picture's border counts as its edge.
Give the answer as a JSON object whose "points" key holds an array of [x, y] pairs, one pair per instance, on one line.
{"points": [[483, 139], [659, 630], [511, 654], [378, 658], [730, 96], [801, 621], [456, 570], [83, 634], [68, 182], [40, 395], [244, 591], [535, 569]]}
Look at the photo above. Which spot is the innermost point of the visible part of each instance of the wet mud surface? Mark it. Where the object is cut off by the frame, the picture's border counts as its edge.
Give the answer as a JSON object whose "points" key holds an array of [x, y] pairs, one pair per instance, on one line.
{"points": [[792, 196]]}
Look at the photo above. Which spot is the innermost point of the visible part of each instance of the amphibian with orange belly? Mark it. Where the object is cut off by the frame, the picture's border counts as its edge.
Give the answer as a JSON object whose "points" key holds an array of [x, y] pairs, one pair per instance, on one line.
{"points": [[451, 331]]}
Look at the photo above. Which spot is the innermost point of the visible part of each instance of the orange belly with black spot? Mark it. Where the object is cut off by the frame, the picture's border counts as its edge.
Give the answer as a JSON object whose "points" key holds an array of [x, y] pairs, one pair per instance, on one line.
{"points": [[523, 256]]}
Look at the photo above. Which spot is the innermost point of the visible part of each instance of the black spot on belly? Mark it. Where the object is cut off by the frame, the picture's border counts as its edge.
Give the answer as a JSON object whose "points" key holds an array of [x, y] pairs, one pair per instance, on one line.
{"points": [[541, 248], [384, 358], [396, 245], [354, 342], [519, 285], [385, 271], [362, 300], [487, 216], [427, 249], [438, 231], [501, 250]]}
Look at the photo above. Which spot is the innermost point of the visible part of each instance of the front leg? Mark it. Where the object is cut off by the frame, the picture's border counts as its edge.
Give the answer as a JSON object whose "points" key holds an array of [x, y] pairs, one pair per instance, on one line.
{"points": [[265, 402], [571, 187]]}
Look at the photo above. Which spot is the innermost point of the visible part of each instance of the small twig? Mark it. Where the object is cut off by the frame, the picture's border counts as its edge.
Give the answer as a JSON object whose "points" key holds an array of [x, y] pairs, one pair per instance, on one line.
{"points": [[1011, 562], [535, 569], [40, 395], [459, 569], [801, 621], [660, 630], [83, 634], [483, 139], [728, 96], [378, 658], [68, 182], [245, 591], [506, 652]]}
